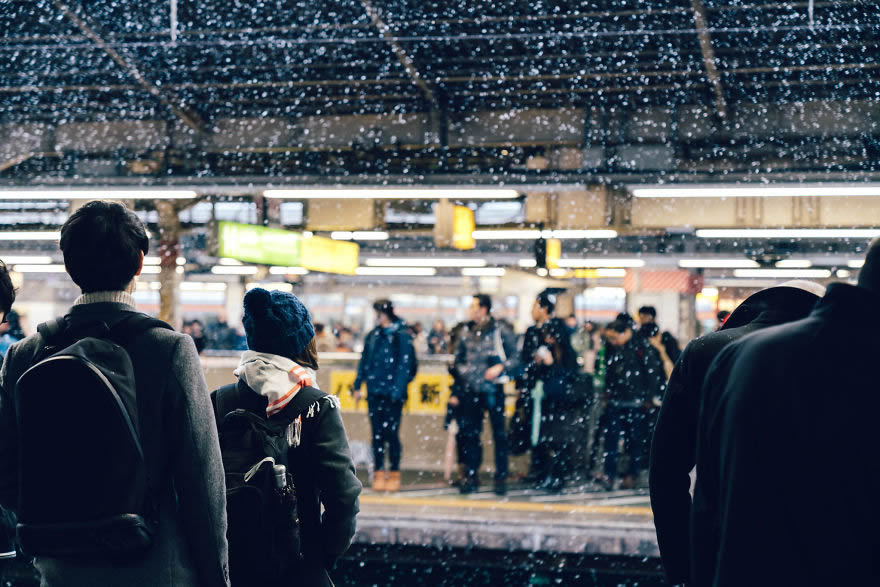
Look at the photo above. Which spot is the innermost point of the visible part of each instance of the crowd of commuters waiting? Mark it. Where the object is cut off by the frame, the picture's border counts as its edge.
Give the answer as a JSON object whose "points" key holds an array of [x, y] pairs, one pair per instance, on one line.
{"points": [[117, 467], [785, 383]]}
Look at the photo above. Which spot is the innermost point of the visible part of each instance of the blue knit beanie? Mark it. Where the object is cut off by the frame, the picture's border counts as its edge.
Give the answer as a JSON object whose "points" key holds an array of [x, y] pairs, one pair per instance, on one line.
{"points": [[276, 322]]}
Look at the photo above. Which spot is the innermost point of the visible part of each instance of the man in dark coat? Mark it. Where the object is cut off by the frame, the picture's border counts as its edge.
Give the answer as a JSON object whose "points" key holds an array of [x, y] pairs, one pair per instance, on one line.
{"points": [[673, 451], [778, 407]]}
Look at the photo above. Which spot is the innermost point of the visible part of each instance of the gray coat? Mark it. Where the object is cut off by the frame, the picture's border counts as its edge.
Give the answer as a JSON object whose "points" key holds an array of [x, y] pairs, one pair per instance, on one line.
{"points": [[482, 346], [190, 548]]}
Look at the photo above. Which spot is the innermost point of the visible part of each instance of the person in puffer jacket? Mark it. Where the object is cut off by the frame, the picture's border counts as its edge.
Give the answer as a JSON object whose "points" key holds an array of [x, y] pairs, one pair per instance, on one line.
{"points": [[386, 367], [281, 362]]}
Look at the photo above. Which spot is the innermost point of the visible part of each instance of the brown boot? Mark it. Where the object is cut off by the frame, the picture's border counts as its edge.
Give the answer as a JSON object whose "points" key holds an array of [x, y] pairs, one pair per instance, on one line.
{"points": [[380, 481], [393, 481]]}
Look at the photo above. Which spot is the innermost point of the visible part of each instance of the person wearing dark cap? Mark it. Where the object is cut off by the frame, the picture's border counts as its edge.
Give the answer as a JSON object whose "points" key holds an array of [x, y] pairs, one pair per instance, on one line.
{"points": [[279, 365], [7, 297], [485, 358], [386, 366], [530, 391], [787, 475], [674, 447]]}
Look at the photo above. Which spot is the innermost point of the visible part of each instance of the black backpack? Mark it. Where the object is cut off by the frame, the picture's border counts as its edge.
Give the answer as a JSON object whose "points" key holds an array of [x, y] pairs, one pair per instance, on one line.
{"points": [[262, 520], [84, 491]]}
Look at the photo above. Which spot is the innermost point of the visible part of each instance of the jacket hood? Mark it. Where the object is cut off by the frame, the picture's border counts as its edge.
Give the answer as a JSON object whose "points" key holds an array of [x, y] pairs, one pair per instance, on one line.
{"points": [[796, 297], [276, 378]]}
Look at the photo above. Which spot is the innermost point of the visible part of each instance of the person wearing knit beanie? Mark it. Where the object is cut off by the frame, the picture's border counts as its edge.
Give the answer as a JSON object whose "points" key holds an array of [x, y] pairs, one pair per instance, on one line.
{"points": [[277, 322]]}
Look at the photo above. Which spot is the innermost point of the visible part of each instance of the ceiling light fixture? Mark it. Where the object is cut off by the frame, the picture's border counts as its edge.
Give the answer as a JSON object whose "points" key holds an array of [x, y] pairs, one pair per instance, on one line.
{"points": [[288, 271], [717, 263], [398, 271], [393, 193], [794, 264], [25, 260], [483, 272], [233, 270], [358, 235], [29, 235], [754, 190], [865, 233], [534, 233], [784, 273], [98, 193], [26, 268], [856, 263], [423, 262], [608, 262]]}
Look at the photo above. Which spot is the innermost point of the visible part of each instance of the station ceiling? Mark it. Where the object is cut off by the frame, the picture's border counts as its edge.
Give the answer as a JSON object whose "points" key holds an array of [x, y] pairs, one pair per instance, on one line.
{"points": [[203, 60]]}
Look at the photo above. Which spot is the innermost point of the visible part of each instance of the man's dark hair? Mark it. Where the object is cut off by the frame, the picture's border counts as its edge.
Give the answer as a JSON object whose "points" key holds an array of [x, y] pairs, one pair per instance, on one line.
{"points": [[722, 315], [547, 301], [385, 307], [102, 242], [620, 326], [649, 310], [484, 300], [7, 290], [319, 328], [869, 275]]}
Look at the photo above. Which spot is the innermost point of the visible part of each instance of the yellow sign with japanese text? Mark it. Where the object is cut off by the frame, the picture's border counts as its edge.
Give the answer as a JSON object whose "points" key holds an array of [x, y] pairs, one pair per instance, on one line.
{"points": [[428, 393]]}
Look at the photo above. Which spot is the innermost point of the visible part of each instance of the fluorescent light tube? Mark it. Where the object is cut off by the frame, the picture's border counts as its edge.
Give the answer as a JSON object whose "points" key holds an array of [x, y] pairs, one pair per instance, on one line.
{"points": [[527, 263], [99, 193], [784, 273], [157, 261], [403, 271], [25, 268], [29, 235], [794, 264], [609, 262], [717, 263], [558, 273], [288, 271], [423, 262], [393, 193], [203, 286], [512, 234], [754, 190], [358, 235], [865, 233], [533, 233], [232, 270], [856, 263], [569, 234], [25, 260], [483, 271], [602, 272]]}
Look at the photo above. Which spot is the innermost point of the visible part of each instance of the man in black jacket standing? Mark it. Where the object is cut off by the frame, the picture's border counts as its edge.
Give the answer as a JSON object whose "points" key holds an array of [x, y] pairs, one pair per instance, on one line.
{"points": [[778, 406], [673, 449], [634, 381]]}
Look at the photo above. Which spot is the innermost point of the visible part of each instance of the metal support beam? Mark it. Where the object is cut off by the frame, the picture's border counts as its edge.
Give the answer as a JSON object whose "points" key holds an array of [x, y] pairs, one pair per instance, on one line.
{"points": [[401, 54], [701, 22], [167, 98]]}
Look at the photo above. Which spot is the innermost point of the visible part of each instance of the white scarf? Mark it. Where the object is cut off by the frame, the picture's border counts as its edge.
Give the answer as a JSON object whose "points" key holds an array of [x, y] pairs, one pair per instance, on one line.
{"points": [[276, 378]]}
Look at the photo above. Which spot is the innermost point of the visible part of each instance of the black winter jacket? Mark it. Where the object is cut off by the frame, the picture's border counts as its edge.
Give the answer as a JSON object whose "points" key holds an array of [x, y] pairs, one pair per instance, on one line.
{"points": [[323, 474], [634, 373], [781, 407], [673, 448]]}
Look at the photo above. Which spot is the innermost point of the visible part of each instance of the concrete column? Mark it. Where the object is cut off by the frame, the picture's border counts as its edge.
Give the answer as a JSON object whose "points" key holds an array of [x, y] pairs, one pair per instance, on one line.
{"points": [[169, 250]]}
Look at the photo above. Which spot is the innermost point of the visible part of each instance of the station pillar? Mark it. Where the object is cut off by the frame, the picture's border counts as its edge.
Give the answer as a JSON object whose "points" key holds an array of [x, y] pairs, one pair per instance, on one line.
{"points": [[672, 293], [169, 250]]}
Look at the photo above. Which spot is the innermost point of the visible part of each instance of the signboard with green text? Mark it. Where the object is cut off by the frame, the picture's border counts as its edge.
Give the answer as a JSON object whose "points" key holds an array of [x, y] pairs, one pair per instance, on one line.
{"points": [[274, 246]]}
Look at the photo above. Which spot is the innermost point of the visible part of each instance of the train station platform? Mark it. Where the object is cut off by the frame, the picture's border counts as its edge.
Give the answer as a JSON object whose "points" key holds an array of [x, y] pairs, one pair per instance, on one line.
{"points": [[580, 520]]}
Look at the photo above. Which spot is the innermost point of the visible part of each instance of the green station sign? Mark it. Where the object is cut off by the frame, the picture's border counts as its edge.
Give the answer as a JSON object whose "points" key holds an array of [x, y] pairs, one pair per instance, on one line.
{"points": [[285, 248]]}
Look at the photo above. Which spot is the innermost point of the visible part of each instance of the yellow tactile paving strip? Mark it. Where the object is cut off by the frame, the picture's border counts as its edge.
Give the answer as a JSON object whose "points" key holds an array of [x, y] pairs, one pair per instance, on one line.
{"points": [[497, 505]]}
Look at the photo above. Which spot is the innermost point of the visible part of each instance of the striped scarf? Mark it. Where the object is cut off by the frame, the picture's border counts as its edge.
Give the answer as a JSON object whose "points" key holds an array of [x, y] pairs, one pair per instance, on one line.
{"points": [[276, 378]]}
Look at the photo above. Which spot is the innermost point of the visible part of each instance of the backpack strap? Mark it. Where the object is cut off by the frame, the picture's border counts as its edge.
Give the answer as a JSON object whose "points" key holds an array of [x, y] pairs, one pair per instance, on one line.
{"points": [[226, 400]]}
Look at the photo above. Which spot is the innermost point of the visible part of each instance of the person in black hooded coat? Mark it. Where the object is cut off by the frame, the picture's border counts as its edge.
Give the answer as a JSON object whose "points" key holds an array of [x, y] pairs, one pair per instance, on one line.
{"points": [[673, 449], [782, 408]]}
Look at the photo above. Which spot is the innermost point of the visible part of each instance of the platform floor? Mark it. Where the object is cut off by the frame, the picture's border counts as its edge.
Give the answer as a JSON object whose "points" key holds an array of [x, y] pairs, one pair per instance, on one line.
{"points": [[581, 519]]}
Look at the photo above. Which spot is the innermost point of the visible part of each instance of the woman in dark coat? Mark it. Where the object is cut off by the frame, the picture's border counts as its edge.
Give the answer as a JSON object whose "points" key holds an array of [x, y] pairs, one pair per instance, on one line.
{"points": [[275, 375], [560, 406]]}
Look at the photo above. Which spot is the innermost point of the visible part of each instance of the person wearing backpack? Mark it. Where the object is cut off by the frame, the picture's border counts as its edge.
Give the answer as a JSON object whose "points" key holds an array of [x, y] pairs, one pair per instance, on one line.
{"points": [[285, 453], [7, 519], [108, 445], [388, 363]]}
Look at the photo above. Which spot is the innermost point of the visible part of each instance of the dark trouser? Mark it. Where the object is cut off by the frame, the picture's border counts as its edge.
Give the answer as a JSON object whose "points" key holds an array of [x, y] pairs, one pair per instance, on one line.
{"points": [[559, 433], [385, 423], [471, 425], [631, 423]]}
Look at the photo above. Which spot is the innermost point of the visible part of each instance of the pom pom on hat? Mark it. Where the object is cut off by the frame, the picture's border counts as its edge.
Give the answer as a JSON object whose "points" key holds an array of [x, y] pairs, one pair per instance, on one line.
{"points": [[276, 322]]}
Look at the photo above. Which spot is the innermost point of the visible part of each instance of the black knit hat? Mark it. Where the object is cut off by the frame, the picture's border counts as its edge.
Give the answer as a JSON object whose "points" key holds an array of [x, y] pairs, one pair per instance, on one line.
{"points": [[276, 322]]}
